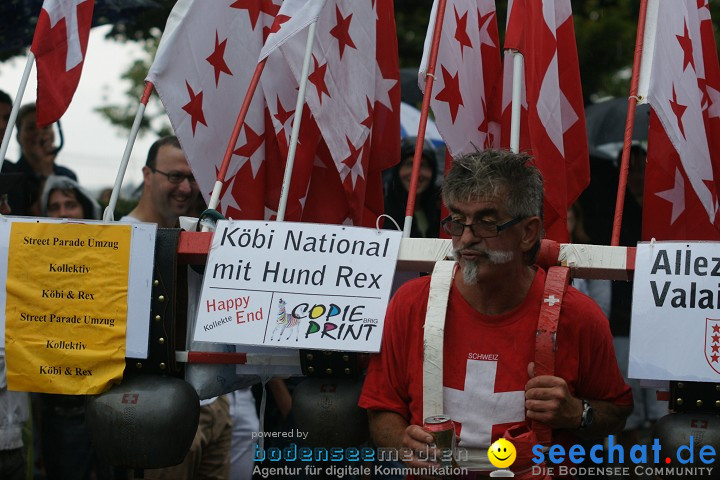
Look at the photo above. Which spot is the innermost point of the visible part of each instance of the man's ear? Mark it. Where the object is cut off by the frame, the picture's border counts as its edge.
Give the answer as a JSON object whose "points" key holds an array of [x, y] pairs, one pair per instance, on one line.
{"points": [[531, 233], [146, 174]]}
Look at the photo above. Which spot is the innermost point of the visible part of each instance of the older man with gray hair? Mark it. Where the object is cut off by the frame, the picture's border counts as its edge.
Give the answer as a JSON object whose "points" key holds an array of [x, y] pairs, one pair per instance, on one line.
{"points": [[488, 384]]}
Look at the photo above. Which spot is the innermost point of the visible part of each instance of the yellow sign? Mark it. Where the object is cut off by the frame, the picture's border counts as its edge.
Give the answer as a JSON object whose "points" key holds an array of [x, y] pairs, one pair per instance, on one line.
{"points": [[66, 308]]}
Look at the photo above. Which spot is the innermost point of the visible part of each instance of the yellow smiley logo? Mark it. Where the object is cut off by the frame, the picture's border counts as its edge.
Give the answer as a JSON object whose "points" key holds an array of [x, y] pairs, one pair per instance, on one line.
{"points": [[502, 453]]}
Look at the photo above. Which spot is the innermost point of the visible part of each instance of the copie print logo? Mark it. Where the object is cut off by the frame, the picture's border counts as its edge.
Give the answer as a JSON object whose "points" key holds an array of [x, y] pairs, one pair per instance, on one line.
{"points": [[502, 453]]}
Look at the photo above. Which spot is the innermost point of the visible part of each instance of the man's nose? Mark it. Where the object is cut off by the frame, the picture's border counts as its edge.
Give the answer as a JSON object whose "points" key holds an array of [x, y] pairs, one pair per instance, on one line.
{"points": [[185, 186], [468, 237]]}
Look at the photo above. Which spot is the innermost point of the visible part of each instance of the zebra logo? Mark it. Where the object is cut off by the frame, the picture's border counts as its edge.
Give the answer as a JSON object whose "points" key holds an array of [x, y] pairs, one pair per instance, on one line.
{"points": [[284, 322]]}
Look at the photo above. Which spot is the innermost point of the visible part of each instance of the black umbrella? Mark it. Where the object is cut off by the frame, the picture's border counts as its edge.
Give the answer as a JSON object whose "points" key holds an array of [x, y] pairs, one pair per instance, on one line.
{"points": [[606, 127]]}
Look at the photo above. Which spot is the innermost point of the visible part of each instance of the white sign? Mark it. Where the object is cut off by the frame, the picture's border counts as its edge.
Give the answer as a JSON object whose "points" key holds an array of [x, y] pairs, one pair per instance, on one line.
{"points": [[675, 329], [142, 252], [297, 285]]}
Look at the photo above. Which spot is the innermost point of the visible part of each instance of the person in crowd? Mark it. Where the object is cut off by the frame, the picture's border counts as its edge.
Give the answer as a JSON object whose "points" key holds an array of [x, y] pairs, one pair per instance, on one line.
{"points": [[36, 163], [63, 197], [169, 187], [14, 406], [5, 109], [65, 447], [426, 219], [496, 202], [169, 192]]}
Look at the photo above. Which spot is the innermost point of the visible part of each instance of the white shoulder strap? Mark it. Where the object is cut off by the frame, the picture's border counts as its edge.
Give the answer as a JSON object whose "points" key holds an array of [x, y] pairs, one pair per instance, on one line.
{"points": [[440, 284]]}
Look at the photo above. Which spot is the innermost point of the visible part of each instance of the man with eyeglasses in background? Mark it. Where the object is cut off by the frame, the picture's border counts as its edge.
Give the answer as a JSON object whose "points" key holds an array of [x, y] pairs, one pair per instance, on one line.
{"points": [[169, 188], [169, 192], [488, 383]]}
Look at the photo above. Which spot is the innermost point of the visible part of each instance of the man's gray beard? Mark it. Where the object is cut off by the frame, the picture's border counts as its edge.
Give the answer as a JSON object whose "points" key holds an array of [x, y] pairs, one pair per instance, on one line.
{"points": [[470, 269]]}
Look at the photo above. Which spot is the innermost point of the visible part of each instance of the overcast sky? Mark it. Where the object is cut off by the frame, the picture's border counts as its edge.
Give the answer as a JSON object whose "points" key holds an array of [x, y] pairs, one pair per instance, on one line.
{"points": [[93, 147]]}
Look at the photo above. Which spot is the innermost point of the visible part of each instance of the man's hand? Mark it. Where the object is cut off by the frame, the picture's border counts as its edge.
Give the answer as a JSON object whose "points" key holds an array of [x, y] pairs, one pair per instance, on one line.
{"points": [[418, 441], [548, 400]]}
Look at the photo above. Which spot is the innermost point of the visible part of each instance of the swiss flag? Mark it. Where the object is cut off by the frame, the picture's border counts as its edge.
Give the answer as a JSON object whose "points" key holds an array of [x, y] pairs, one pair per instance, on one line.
{"points": [[680, 78], [467, 72], [59, 46], [554, 132]]}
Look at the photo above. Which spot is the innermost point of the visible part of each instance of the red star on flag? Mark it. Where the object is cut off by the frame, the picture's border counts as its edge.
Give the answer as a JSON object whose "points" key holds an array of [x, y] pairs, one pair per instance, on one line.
{"points": [[255, 8], [194, 107], [253, 141], [282, 115], [317, 78], [369, 120], [451, 93], [341, 31], [716, 328], [716, 348], [217, 59], [461, 34], [716, 338], [715, 358], [353, 163], [678, 110], [687, 47]]}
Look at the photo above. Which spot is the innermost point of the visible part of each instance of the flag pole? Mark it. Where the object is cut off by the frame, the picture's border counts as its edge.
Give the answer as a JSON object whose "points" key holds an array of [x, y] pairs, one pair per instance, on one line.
{"points": [[629, 124], [109, 214], [516, 109], [215, 197], [16, 106], [289, 164], [419, 142]]}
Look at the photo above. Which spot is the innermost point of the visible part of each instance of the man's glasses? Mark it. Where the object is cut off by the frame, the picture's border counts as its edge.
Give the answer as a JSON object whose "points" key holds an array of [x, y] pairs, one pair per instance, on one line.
{"points": [[175, 177], [480, 229]]}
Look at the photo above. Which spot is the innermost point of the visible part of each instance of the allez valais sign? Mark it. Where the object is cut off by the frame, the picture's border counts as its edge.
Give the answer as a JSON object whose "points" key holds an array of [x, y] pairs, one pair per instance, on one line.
{"points": [[675, 329], [299, 285]]}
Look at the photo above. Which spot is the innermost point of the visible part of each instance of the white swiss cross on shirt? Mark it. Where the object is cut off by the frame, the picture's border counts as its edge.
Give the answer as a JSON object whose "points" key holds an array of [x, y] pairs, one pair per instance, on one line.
{"points": [[478, 407]]}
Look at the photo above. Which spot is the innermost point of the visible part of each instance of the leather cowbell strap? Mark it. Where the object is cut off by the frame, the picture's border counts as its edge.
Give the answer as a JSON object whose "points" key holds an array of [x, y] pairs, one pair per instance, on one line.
{"points": [[556, 283]]}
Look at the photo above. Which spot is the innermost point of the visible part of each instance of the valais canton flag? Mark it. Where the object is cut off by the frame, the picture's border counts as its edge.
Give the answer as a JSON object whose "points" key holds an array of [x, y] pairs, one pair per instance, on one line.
{"points": [[202, 71], [59, 46], [467, 75], [680, 79]]}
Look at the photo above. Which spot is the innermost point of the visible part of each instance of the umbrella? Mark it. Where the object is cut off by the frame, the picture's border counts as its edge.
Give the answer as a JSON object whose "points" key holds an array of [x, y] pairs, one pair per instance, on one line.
{"points": [[409, 122], [606, 127]]}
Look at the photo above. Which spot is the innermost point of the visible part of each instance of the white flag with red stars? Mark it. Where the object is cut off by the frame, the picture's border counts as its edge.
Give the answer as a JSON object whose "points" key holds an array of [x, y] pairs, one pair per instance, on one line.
{"points": [[353, 86], [680, 79], [201, 71], [468, 68], [59, 46], [543, 31]]}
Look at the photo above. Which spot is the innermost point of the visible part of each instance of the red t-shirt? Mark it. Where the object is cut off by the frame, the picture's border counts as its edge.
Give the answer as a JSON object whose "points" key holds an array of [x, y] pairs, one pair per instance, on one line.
{"points": [[486, 359]]}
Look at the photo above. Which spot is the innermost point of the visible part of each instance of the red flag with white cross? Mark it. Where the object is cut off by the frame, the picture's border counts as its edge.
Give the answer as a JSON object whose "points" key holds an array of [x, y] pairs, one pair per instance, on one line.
{"points": [[680, 79], [467, 72], [59, 46], [543, 31]]}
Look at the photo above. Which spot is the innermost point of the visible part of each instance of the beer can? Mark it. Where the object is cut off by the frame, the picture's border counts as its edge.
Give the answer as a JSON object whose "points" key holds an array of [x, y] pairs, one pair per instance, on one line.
{"points": [[443, 431]]}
